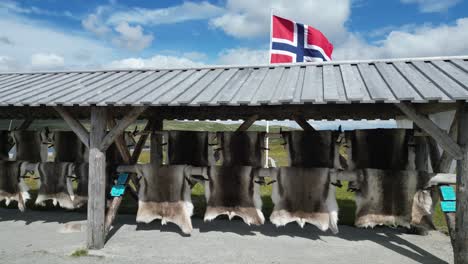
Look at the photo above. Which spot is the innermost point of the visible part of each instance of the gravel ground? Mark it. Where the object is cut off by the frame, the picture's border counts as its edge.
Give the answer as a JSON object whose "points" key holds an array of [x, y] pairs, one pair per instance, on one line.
{"points": [[38, 237]]}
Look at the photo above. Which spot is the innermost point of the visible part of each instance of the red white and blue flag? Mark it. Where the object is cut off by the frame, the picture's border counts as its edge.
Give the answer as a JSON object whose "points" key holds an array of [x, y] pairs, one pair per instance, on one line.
{"points": [[296, 42]]}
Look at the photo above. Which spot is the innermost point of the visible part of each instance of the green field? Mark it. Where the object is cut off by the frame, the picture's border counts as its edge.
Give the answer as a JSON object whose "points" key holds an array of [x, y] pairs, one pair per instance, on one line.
{"points": [[277, 152]]}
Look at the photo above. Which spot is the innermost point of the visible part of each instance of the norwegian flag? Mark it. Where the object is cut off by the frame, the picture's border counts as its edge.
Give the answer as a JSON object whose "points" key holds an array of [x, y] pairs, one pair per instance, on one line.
{"points": [[296, 42]]}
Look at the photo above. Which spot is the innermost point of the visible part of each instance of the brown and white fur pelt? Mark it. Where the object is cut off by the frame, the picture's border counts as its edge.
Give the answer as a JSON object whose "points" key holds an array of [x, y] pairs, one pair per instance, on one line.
{"points": [[233, 191], [12, 186], [189, 148], [165, 194], [392, 198], [81, 173], [385, 149], [69, 148], [242, 148], [54, 183], [311, 149], [29, 146], [304, 195]]}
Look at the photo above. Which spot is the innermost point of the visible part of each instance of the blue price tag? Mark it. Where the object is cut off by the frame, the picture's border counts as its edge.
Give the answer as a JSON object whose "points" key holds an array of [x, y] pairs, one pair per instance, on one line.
{"points": [[448, 206], [122, 180], [117, 190], [448, 194]]}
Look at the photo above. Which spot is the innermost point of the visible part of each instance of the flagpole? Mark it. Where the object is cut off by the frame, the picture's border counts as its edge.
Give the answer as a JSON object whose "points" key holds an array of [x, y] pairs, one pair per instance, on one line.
{"points": [[267, 141]]}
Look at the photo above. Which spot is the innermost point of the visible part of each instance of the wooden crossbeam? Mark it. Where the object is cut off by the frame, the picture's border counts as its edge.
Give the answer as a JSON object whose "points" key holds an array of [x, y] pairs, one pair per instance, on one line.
{"points": [[74, 125], [302, 122], [142, 141], [432, 129], [26, 123], [247, 123], [127, 120]]}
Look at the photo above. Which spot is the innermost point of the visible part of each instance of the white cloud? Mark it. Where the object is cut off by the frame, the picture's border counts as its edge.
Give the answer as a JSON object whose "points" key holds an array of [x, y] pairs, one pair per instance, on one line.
{"points": [[158, 62], [174, 14], [15, 7], [47, 61], [8, 64], [419, 41], [247, 18], [132, 38], [432, 6], [93, 24], [243, 56], [29, 37]]}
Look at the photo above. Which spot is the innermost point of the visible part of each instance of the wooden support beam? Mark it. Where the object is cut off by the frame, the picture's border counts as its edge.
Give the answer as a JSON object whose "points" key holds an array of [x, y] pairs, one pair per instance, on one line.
{"points": [[121, 126], [432, 129], [26, 124], [445, 161], [74, 125], [97, 180], [156, 147], [461, 226], [247, 123], [142, 141], [302, 122]]}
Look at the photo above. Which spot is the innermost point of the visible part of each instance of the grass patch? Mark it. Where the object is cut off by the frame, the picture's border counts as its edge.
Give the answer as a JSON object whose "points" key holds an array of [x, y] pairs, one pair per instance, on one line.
{"points": [[79, 253]]}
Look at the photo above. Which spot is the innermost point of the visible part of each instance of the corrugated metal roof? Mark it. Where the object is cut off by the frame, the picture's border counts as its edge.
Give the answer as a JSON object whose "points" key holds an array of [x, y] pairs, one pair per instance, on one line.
{"points": [[443, 79]]}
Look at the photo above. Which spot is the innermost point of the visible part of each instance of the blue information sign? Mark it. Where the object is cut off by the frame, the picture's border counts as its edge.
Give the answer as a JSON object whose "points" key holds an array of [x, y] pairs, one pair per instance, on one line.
{"points": [[122, 180], [448, 194], [117, 190], [448, 206]]}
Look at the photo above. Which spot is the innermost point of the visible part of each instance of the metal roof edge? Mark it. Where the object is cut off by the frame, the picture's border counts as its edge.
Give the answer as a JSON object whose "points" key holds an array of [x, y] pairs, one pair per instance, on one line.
{"points": [[463, 57]]}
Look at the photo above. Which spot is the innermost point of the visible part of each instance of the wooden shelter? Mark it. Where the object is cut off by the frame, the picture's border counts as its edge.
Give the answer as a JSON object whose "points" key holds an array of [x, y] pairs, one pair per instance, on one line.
{"points": [[378, 89]]}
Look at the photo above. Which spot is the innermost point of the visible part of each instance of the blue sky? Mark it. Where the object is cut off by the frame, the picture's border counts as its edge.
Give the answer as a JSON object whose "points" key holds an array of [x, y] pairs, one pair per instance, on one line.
{"points": [[72, 34]]}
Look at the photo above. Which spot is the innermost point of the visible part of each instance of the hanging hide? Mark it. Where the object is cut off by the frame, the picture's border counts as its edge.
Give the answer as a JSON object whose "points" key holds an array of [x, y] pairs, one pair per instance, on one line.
{"points": [[29, 146], [5, 145], [242, 148], [165, 194], [304, 195], [233, 191], [311, 149], [53, 183], [385, 149], [393, 198], [81, 172], [12, 186], [189, 148], [69, 148]]}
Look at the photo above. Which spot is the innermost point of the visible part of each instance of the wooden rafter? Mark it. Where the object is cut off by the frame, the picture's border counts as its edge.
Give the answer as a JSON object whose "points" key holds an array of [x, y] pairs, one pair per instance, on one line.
{"points": [[247, 123], [432, 129], [74, 125], [302, 122], [121, 126]]}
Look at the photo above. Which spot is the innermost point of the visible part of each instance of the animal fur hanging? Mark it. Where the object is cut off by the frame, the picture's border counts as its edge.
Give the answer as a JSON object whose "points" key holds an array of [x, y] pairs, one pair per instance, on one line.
{"points": [[232, 191], [189, 148], [242, 148], [165, 194], [81, 172], [12, 186], [311, 149], [5, 145], [53, 183], [393, 198], [29, 146], [69, 148], [304, 195]]}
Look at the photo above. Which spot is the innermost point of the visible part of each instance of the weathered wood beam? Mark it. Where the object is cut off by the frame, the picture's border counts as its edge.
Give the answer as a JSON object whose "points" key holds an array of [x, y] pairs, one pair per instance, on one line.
{"points": [[302, 122], [461, 226], [432, 129], [247, 123], [97, 180], [127, 120], [142, 141], [74, 125], [26, 123], [445, 161]]}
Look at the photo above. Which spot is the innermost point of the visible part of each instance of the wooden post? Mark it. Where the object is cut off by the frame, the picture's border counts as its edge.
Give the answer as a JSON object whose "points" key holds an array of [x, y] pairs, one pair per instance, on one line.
{"points": [[142, 141], [461, 228], [156, 155], [97, 180], [74, 125]]}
